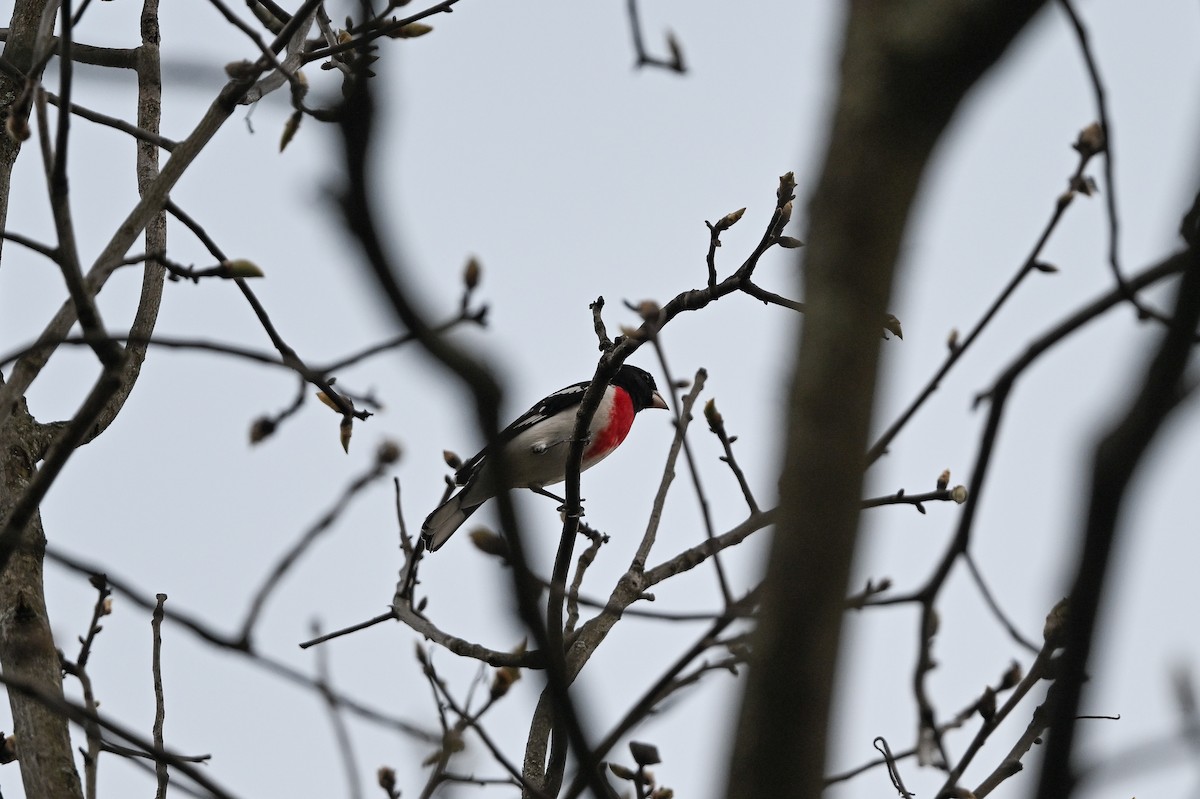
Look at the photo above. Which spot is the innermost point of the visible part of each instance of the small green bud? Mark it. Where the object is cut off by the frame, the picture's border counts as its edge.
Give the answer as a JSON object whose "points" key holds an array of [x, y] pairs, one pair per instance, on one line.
{"points": [[489, 543], [411, 31], [713, 416], [289, 130], [729, 220], [241, 268]]}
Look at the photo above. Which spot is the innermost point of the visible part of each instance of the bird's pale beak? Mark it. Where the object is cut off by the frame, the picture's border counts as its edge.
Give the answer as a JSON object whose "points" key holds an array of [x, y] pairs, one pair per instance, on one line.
{"points": [[656, 401]]}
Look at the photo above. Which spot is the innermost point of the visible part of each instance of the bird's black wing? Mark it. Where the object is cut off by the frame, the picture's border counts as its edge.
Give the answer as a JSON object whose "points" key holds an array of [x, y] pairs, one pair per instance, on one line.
{"points": [[550, 405]]}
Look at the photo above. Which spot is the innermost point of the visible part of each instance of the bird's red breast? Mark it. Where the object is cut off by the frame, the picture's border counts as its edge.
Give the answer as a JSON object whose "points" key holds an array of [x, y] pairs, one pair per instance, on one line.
{"points": [[612, 431]]}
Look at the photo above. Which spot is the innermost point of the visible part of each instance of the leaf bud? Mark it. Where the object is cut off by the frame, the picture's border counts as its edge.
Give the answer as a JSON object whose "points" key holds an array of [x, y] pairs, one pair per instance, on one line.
{"points": [[987, 704], [241, 70], [489, 543], [241, 268], [787, 185], [713, 416], [422, 655], [8, 749], [17, 127], [644, 754], [932, 622], [729, 220], [622, 772], [388, 452], [289, 130], [1012, 675], [471, 273], [892, 325], [649, 310], [1055, 629], [411, 31], [943, 480], [785, 215], [634, 333], [328, 401], [1091, 141], [503, 679], [262, 428]]}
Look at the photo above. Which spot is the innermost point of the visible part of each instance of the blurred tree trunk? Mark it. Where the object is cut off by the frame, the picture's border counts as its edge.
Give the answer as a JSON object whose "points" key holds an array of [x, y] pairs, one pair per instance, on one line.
{"points": [[905, 68]]}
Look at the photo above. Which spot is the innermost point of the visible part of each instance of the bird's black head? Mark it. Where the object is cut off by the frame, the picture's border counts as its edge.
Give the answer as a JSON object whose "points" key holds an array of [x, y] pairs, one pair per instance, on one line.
{"points": [[640, 386]]}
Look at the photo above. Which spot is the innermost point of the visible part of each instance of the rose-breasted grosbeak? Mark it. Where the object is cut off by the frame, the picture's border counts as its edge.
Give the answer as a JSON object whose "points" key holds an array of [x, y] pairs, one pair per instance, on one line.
{"points": [[536, 445]]}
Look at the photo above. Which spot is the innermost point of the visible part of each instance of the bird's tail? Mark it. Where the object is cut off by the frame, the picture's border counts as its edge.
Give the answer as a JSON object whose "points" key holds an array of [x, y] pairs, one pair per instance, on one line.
{"points": [[442, 523]]}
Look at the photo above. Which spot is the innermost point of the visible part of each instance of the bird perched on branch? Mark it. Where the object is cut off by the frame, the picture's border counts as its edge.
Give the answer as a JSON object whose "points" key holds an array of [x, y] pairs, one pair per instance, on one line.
{"points": [[536, 445]]}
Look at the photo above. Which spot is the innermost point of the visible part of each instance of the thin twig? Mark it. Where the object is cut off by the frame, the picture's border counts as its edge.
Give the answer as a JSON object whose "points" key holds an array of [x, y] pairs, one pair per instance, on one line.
{"points": [[160, 706], [232, 644], [716, 424], [306, 540], [693, 469], [341, 732], [994, 606], [644, 59], [956, 352]]}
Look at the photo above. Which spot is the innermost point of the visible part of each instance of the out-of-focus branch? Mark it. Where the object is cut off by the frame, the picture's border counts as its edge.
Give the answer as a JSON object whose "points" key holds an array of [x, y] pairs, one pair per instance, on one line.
{"points": [[644, 59], [1117, 457], [905, 69], [356, 126], [341, 731]]}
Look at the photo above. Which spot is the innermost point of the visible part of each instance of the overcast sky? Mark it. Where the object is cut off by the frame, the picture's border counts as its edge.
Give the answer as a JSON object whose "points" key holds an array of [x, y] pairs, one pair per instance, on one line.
{"points": [[521, 134]]}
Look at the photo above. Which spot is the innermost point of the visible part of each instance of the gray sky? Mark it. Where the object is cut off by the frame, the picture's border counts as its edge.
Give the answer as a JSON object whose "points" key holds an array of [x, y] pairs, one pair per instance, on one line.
{"points": [[518, 132]]}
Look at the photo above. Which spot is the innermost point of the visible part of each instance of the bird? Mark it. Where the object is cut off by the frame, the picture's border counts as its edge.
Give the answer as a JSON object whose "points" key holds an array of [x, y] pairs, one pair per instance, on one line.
{"points": [[536, 446]]}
